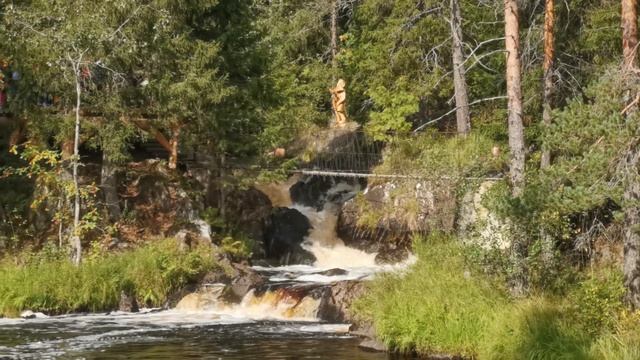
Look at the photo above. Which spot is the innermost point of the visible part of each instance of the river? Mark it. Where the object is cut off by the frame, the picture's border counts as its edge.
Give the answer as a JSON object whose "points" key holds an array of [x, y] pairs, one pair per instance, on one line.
{"points": [[173, 335], [269, 324]]}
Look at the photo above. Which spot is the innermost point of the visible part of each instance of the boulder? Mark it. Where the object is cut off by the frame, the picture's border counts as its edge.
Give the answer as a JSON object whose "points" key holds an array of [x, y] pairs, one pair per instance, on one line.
{"points": [[284, 236], [337, 300], [28, 314], [206, 298], [386, 217], [478, 225], [311, 191], [333, 272], [317, 191], [373, 344], [245, 280], [248, 210], [128, 302]]}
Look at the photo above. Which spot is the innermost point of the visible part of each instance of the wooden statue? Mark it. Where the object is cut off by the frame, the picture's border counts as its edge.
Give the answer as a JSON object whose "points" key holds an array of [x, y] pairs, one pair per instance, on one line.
{"points": [[339, 103]]}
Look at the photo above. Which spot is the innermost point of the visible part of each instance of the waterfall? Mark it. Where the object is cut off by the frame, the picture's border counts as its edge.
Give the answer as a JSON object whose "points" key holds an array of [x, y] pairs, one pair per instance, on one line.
{"points": [[297, 292]]}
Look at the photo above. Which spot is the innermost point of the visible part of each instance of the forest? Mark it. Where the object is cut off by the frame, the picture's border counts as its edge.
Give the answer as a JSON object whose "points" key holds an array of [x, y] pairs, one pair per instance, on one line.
{"points": [[503, 137]]}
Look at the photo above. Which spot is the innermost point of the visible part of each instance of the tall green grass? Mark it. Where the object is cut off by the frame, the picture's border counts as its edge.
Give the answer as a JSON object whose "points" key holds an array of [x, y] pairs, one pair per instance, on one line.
{"points": [[440, 306], [443, 304], [51, 284]]}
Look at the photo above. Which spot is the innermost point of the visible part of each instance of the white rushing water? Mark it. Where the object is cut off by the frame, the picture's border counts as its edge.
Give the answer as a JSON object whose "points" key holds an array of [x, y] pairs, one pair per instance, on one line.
{"points": [[323, 242]]}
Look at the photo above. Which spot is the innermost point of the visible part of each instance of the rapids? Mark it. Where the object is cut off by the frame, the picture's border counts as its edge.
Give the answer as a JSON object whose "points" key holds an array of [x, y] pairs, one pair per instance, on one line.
{"points": [[280, 320]]}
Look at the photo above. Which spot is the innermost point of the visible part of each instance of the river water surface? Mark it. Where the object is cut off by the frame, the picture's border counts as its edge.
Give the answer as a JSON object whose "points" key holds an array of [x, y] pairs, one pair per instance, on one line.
{"points": [[172, 335]]}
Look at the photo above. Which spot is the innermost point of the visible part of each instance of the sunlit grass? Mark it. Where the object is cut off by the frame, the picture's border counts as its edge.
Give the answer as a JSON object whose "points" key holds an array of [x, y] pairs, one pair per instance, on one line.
{"points": [[54, 285], [444, 305]]}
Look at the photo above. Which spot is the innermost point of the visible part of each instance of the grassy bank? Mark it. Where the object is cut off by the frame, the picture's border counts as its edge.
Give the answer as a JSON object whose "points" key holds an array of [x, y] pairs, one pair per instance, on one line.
{"points": [[444, 304], [48, 282]]}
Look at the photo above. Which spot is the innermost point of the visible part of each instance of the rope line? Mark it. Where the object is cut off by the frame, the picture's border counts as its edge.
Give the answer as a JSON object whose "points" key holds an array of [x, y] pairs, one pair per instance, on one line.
{"points": [[385, 176]]}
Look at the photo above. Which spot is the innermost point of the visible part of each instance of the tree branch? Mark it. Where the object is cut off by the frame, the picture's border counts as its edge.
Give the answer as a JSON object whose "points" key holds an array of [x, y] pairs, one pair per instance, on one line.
{"points": [[453, 110]]}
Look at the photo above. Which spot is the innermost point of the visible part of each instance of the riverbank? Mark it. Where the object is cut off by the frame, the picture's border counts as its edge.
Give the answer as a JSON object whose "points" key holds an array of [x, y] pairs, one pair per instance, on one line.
{"points": [[447, 304], [47, 282]]}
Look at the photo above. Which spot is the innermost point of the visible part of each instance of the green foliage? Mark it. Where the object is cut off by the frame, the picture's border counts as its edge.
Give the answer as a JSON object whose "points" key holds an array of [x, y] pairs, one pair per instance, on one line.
{"points": [[55, 188], [596, 303], [394, 110], [232, 241], [46, 281], [436, 155]]}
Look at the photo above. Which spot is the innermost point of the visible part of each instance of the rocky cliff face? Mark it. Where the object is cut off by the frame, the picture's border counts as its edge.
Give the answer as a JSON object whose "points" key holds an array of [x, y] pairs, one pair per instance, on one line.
{"points": [[386, 216], [478, 225], [155, 203]]}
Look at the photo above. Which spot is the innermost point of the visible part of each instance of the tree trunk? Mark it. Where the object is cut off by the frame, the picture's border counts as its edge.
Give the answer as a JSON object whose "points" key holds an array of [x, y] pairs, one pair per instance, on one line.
{"points": [[18, 134], [170, 145], [631, 266], [174, 146], [514, 94], [631, 195], [629, 32], [75, 239], [334, 38], [549, 52], [222, 203], [109, 186], [463, 118], [67, 149]]}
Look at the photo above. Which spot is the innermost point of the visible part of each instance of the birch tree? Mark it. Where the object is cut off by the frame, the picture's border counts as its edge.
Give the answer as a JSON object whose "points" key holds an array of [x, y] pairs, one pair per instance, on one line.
{"points": [[64, 41]]}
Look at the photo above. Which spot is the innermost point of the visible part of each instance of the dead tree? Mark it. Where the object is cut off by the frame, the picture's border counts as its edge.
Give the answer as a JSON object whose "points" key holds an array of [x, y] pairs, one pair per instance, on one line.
{"points": [[463, 118]]}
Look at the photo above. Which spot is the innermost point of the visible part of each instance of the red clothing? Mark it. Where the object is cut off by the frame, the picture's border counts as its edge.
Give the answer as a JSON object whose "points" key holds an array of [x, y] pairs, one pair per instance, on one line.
{"points": [[3, 98]]}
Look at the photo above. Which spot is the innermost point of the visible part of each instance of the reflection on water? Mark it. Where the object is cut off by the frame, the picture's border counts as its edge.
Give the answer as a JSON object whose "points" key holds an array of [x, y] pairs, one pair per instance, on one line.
{"points": [[172, 335]]}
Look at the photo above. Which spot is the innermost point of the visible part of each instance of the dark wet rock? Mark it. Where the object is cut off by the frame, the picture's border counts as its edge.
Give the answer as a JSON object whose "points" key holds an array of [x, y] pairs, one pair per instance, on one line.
{"points": [[284, 236], [248, 210], [216, 277], [311, 191], [337, 300], [245, 280], [333, 272], [372, 344], [316, 191], [176, 296], [128, 302]]}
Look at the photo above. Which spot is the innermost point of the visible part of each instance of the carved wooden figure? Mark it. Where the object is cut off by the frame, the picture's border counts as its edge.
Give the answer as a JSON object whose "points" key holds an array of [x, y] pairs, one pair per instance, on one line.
{"points": [[339, 103]]}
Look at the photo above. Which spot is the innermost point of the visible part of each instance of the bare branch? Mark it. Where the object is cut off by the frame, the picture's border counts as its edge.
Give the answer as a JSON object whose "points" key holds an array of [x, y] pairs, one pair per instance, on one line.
{"points": [[453, 110]]}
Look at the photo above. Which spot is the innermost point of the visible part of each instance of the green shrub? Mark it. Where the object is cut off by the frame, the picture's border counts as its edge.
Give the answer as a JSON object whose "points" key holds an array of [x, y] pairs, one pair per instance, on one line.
{"points": [[51, 284], [597, 302]]}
